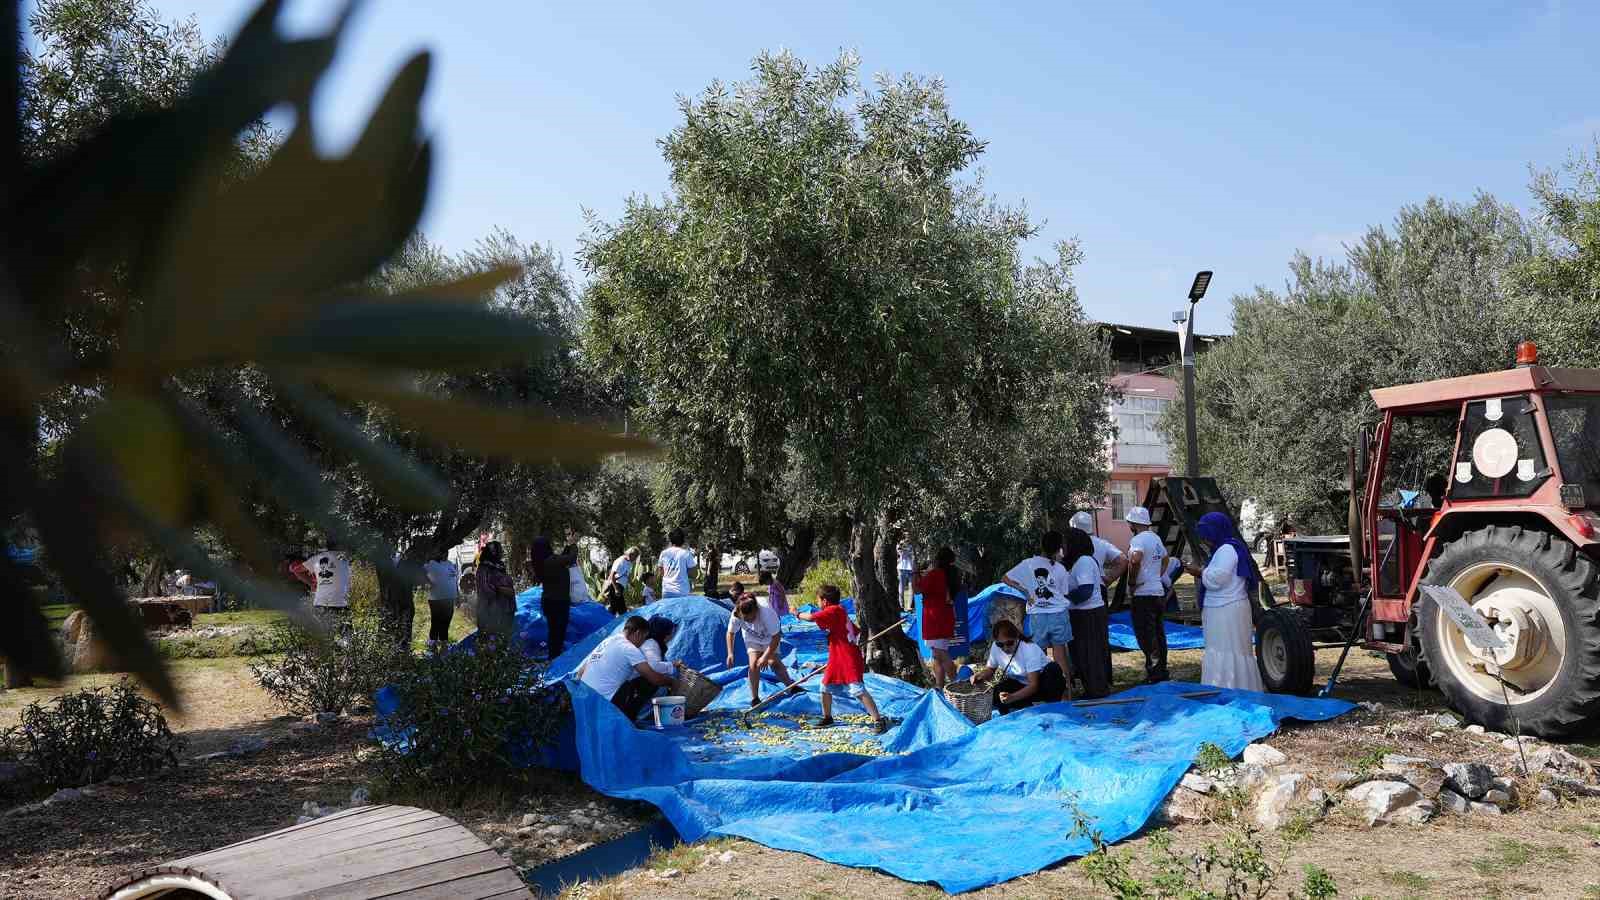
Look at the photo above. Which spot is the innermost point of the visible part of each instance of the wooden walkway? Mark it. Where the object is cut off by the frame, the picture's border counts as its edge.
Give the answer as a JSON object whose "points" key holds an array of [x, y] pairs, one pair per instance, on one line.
{"points": [[397, 852]]}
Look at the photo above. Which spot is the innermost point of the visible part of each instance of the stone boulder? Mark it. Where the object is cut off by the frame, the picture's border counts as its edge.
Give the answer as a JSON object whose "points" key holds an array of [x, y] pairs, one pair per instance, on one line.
{"points": [[1452, 802], [1278, 803], [1547, 760], [1183, 805], [1427, 776], [85, 653], [1381, 799], [1264, 755], [1470, 780]]}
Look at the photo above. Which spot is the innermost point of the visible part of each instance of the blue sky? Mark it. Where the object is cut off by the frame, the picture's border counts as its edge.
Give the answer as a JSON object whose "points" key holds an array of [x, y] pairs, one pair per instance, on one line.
{"points": [[1167, 137]]}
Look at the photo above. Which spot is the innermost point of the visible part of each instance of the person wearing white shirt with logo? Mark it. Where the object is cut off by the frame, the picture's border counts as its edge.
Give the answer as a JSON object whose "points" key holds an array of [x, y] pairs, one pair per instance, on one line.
{"points": [[1091, 639], [615, 590], [1046, 584], [1026, 675], [619, 670], [1147, 563]]}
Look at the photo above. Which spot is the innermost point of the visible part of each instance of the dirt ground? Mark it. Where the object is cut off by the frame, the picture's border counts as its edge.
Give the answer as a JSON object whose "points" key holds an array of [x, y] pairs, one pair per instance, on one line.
{"points": [[66, 851]]}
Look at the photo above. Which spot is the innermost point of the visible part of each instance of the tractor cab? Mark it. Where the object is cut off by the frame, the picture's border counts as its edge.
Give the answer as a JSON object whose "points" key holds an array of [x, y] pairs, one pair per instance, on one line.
{"points": [[1489, 484]]}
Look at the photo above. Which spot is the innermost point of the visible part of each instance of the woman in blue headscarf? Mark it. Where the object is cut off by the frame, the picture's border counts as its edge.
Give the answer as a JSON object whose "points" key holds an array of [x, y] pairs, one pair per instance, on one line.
{"points": [[1225, 586]]}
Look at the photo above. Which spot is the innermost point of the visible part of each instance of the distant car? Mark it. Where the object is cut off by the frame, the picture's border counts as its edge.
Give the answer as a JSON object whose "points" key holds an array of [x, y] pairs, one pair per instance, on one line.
{"points": [[465, 556], [743, 562]]}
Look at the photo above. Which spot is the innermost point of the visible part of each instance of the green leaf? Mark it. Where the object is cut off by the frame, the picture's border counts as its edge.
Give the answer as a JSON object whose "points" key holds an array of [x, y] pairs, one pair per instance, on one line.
{"points": [[489, 431], [417, 334], [400, 479], [25, 638]]}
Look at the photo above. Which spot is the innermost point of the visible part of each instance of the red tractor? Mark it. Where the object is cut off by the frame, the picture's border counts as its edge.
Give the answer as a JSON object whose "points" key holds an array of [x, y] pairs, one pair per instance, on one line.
{"points": [[1488, 484]]}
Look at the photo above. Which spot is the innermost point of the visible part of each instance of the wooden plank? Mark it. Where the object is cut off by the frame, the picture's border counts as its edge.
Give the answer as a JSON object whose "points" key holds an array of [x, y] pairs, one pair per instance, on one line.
{"points": [[309, 849], [517, 894], [423, 875], [293, 876], [325, 820], [349, 829], [472, 887]]}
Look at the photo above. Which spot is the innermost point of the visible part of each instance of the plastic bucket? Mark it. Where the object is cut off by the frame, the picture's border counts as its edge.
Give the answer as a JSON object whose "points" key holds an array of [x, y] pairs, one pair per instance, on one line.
{"points": [[669, 711]]}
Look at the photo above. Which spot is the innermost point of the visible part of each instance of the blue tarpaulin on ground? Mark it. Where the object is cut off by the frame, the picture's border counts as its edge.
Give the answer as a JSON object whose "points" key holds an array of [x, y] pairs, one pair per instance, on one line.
{"points": [[1179, 637], [950, 803]]}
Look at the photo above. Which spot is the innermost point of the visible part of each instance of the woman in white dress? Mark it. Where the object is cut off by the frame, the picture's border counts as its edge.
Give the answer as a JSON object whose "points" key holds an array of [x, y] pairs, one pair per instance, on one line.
{"points": [[1225, 586]]}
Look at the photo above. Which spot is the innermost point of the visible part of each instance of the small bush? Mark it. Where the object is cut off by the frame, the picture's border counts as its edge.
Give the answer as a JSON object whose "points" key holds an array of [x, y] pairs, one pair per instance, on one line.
{"points": [[825, 571], [90, 735], [1211, 759], [464, 719], [329, 673]]}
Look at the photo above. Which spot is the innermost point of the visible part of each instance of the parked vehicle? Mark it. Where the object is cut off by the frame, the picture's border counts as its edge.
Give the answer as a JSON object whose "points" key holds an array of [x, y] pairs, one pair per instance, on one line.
{"points": [[745, 562]]}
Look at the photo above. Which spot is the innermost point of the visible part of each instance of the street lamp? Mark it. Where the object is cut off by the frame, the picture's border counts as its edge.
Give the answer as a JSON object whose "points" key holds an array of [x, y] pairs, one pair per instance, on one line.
{"points": [[1197, 290]]}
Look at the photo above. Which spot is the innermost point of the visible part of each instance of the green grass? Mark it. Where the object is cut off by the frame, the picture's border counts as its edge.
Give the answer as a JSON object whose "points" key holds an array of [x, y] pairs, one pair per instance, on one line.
{"points": [[262, 617], [56, 613], [1507, 856], [1371, 759], [1410, 882]]}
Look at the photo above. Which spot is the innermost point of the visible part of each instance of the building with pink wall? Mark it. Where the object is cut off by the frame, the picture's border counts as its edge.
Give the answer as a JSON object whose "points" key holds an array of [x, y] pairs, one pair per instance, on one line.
{"points": [[1145, 371]]}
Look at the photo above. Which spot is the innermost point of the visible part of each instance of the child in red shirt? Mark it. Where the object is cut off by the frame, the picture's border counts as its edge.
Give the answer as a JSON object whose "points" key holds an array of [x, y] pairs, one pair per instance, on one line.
{"points": [[846, 672]]}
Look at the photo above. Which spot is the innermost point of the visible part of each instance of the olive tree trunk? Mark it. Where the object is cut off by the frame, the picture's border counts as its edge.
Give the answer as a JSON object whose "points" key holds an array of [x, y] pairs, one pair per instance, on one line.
{"points": [[872, 567], [797, 556]]}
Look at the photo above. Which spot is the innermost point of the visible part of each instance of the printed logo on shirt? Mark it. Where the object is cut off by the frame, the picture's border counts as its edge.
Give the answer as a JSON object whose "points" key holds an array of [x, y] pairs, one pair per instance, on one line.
{"points": [[324, 569], [1041, 585]]}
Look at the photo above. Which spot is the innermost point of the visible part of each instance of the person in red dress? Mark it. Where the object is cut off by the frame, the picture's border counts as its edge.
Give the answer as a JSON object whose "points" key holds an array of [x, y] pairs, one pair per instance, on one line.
{"points": [[846, 671], [937, 586]]}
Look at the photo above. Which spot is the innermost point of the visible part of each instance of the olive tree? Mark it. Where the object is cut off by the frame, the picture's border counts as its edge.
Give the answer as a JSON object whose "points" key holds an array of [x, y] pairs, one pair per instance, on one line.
{"points": [[825, 293], [1435, 295]]}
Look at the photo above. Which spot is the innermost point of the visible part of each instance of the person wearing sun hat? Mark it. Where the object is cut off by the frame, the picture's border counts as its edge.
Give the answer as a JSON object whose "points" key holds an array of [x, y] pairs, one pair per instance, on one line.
{"points": [[1106, 554], [1147, 564]]}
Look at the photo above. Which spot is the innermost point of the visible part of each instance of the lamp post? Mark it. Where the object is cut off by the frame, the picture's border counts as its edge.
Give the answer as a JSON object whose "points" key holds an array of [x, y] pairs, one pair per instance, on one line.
{"points": [[1197, 290]]}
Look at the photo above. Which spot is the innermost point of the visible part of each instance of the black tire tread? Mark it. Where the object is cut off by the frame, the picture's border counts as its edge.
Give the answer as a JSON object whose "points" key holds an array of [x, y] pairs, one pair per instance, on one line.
{"points": [[1575, 710], [1302, 657]]}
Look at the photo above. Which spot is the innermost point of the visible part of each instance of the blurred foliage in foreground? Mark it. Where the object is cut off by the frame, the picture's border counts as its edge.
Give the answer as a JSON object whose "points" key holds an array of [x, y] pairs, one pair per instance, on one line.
{"points": [[156, 285]]}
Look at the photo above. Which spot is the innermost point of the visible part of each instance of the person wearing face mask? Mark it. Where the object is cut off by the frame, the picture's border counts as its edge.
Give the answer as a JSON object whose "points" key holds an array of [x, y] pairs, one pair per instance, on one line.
{"points": [[1225, 585]]}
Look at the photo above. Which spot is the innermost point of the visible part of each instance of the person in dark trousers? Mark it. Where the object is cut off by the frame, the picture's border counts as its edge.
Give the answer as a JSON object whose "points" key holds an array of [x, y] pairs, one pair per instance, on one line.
{"points": [[444, 589], [621, 672], [556, 598], [1147, 568], [1026, 675], [1091, 620], [497, 594]]}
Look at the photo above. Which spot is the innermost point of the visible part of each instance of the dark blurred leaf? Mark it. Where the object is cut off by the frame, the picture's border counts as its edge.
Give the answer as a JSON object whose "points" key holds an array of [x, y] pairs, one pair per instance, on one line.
{"points": [[137, 436], [401, 480], [486, 430], [227, 508], [10, 100], [25, 638], [473, 288], [414, 335], [67, 519]]}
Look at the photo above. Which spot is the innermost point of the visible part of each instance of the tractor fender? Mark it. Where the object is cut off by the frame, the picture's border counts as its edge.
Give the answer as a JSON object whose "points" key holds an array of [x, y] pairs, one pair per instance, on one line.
{"points": [[1452, 523]]}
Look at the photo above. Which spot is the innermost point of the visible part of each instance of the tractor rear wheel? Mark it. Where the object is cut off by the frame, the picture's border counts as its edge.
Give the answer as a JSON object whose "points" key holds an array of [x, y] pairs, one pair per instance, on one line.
{"points": [[1284, 654], [1543, 599]]}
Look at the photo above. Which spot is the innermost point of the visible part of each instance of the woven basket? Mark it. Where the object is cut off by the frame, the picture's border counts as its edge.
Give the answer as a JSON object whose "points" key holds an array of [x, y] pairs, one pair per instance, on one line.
{"points": [[697, 690], [974, 702]]}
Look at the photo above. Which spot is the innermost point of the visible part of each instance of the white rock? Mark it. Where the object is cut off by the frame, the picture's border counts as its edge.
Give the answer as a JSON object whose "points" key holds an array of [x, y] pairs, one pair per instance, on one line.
{"points": [[310, 808], [1342, 780], [1572, 787], [1470, 780], [1554, 760], [668, 873], [1263, 755], [530, 819], [65, 795], [1244, 777], [1528, 741], [360, 797], [1371, 706], [1453, 802], [1198, 783], [501, 843], [1424, 774], [1497, 797], [1445, 720], [526, 833], [727, 856], [1546, 799], [1380, 798], [555, 831], [1496, 736], [1274, 805], [1485, 809], [1435, 735], [1474, 729]]}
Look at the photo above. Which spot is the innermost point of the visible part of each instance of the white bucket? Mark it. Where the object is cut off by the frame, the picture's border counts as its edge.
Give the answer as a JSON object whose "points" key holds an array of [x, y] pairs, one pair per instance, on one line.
{"points": [[669, 711]]}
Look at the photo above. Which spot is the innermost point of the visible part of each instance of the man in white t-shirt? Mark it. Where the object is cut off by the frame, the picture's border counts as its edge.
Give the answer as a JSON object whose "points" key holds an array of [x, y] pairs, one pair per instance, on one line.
{"points": [[757, 622], [331, 600], [908, 570], [675, 565], [1106, 554], [1045, 582], [1147, 561], [618, 670]]}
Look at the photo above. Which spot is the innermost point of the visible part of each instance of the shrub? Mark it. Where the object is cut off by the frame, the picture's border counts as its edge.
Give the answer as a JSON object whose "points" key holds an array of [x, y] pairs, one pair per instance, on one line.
{"points": [[90, 735], [329, 673], [825, 571], [458, 720]]}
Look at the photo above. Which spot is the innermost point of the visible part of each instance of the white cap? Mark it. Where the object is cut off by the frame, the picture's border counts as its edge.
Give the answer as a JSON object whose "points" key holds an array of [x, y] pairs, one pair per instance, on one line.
{"points": [[1138, 515], [1081, 521]]}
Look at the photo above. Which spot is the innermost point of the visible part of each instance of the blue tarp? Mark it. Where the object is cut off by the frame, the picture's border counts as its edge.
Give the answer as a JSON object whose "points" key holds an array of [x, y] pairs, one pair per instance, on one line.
{"points": [[957, 805], [1179, 637]]}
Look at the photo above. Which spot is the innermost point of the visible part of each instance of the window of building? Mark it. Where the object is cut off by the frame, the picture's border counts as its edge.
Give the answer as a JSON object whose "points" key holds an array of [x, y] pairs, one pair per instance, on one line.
{"points": [[1124, 494], [1139, 440]]}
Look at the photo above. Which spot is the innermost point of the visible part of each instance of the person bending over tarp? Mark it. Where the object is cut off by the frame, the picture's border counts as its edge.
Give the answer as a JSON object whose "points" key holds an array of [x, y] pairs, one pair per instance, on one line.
{"points": [[762, 634], [1028, 677], [619, 671]]}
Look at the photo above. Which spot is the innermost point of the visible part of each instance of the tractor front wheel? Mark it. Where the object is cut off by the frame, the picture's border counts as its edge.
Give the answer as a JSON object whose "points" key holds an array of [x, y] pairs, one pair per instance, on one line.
{"points": [[1284, 653], [1542, 598]]}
